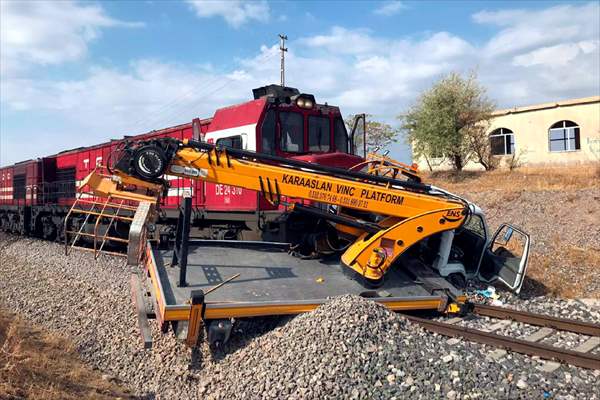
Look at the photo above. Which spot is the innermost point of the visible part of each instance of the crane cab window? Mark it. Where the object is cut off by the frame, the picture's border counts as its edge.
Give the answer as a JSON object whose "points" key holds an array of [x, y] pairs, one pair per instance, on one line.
{"points": [[340, 137], [318, 134], [292, 132], [233, 142]]}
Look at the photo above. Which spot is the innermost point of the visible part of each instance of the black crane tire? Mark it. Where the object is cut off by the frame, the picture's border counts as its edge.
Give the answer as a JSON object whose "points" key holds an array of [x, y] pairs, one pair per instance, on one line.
{"points": [[149, 162]]}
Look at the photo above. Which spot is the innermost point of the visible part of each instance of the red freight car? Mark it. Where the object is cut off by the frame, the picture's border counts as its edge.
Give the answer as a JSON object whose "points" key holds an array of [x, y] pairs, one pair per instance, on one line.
{"points": [[20, 185], [279, 121]]}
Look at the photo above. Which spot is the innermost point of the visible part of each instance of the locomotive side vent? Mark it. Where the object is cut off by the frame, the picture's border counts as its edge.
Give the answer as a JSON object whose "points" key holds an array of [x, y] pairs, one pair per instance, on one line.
{"points": [[19, 187]]}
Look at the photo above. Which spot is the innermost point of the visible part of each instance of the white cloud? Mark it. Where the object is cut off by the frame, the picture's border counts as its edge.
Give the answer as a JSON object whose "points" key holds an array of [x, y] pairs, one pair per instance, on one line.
{"points": [[557, 56], [235, 12], [389, 8], [528, 30], [353, 68], [42, 32], [342, 40]]}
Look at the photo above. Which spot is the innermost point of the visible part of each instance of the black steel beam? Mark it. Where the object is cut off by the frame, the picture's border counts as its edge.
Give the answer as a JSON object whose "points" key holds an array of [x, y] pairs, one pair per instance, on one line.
{"points": [[316, 212]]}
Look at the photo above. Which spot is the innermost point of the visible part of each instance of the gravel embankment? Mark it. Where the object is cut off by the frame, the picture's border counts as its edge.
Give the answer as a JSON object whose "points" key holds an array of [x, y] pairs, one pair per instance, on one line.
{"points": [[348, 348], [563, 225], [90, 301]]}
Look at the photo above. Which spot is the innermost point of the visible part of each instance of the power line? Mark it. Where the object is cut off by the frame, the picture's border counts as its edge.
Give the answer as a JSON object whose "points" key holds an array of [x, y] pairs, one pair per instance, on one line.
{"points": [[165, 111], [206, 95]]}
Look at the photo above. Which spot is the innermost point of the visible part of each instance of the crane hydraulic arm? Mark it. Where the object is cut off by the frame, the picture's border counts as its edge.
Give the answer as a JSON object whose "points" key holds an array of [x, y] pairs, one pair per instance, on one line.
{"points": [[411, 210]]}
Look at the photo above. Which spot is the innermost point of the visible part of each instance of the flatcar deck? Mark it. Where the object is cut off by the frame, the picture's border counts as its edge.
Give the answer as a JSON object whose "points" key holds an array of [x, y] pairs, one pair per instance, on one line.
{"points": [[272, 282]]}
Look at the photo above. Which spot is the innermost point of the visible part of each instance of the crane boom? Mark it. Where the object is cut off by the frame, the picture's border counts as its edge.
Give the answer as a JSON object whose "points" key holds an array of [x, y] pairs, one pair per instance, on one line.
{"points": [[411, 210]]}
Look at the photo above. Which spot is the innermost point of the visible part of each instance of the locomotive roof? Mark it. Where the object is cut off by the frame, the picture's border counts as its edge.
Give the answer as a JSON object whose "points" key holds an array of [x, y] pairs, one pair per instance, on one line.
{"points": [[147, 134]]}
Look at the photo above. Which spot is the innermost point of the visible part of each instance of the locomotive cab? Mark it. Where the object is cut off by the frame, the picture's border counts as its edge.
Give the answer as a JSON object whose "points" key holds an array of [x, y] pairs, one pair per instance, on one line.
{"points": [[288, 124]]}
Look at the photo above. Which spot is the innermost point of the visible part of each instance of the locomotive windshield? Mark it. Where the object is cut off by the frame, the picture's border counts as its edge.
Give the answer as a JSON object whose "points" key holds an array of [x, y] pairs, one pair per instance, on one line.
{"points": [[340, 137], [269, 127], [318, 134], [292, 132], [284, 131]]}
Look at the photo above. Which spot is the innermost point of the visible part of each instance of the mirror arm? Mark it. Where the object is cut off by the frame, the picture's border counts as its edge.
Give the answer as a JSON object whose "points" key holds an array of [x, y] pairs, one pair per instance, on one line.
{"points": [[364, 117]]}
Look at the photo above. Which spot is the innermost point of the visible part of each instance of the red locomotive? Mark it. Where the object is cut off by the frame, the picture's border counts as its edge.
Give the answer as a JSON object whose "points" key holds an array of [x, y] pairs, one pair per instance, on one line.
{"points": [[36, 195]]}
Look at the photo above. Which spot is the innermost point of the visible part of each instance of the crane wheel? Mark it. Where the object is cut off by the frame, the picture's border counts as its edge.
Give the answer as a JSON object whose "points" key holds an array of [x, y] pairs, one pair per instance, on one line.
{"points": [[150, 162]]}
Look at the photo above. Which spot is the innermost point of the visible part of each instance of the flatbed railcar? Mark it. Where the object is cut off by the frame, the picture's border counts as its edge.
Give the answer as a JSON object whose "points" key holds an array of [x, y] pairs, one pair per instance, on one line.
{"points": [[36, 195]]}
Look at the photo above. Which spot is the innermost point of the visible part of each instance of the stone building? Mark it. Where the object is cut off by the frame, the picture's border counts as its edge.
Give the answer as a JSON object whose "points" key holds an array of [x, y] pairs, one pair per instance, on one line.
{"points": [[562, 132]]}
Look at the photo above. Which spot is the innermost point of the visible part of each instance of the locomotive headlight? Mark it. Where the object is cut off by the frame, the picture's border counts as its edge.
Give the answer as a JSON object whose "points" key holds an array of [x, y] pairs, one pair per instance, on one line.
{"points": [[305, 101]]}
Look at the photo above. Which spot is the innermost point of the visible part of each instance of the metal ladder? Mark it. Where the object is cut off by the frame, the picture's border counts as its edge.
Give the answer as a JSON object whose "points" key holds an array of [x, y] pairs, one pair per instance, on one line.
{"points": [[96, 210]]}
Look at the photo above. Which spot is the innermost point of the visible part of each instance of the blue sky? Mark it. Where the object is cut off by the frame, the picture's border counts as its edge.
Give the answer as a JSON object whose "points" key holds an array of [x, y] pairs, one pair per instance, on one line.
{"points": [[77, 73]]}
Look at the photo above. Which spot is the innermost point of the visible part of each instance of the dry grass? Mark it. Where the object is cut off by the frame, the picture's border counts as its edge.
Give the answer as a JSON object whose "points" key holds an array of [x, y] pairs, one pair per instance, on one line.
{"points": [[558, 206], [530, 178], [35, 364], [571, 282]]}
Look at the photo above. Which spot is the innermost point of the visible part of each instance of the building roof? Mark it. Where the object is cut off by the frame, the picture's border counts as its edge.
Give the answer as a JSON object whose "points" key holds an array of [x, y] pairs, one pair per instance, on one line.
{"points": [[545, 106]]}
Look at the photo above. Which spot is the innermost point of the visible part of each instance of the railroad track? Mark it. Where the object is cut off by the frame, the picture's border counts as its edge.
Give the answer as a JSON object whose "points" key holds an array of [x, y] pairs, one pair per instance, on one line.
{"points": [[581, 356]]}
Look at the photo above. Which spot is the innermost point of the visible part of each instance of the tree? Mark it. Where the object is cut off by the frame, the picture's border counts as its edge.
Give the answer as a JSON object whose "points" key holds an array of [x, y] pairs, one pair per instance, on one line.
{"points": [[379, 134], [450, 121], [480, 146]]}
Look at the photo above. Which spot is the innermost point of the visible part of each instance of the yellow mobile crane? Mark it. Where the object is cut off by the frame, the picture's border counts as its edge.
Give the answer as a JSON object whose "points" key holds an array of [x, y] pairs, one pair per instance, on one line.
{"points": [[411, 214], [384, 218]]}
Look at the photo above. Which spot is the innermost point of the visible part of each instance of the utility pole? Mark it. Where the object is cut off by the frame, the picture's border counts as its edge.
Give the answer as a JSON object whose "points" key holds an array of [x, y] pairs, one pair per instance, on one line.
{"points": [[282, 48]]}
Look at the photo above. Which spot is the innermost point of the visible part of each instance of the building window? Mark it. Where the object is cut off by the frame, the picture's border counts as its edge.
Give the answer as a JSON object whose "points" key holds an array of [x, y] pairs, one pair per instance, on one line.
{"points": [[502, 142], [564, 136]]}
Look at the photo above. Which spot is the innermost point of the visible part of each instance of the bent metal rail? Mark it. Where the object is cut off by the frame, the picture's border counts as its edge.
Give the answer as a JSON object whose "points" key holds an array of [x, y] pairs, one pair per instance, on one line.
{"points": [[584, 359]]}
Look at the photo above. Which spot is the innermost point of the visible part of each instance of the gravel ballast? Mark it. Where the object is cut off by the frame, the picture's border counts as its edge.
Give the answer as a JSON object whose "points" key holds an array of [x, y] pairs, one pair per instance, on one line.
{"points": [[348, 348]]}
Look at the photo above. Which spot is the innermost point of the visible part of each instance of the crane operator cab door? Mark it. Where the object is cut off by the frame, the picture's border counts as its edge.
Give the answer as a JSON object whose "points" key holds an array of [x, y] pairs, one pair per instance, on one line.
{"points": [[505, 257]]}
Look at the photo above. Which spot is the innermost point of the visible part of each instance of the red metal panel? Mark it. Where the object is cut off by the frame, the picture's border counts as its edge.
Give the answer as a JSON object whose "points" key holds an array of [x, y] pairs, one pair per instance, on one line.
{"points": [[238, 115], [6, 185], [337, 159], [33, 181], [217, 197], [229, 198], [31, 171], [66, 160]]}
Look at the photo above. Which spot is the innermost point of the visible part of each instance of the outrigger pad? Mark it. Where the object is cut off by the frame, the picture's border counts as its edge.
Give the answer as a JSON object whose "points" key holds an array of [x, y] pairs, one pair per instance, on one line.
{"points": [[196, 317], [197, 297]]}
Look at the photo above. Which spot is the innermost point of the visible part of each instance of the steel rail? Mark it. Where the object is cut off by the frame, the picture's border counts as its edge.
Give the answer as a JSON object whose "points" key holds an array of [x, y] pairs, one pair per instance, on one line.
{"points": [[584, 360], [562, 324]]}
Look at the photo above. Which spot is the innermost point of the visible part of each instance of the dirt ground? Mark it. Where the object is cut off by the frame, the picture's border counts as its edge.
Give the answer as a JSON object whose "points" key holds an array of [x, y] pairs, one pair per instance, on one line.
{"points": [[35, 364], [559, 207]]}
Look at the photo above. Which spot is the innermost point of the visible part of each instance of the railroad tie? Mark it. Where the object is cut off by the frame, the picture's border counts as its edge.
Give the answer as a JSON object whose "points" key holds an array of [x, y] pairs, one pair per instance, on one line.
{"points": [[453, 321], [588, 345], [497, 326], [539, 335]]}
